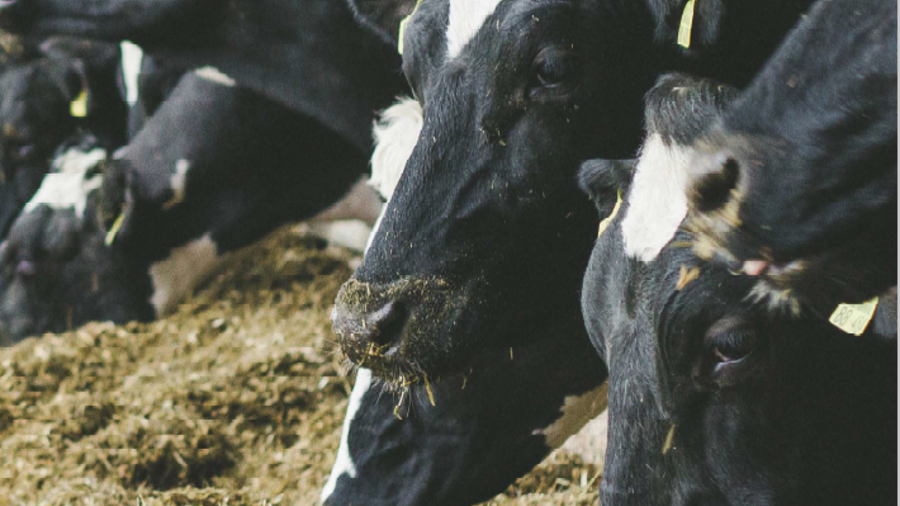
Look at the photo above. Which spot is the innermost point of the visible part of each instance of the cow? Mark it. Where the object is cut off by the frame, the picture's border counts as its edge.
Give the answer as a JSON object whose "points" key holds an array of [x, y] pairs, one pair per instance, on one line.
{"points": [[461, 440], [486, 236], [218, 167], [225, 158], [714, 399], [797, 186], [45, 101]]}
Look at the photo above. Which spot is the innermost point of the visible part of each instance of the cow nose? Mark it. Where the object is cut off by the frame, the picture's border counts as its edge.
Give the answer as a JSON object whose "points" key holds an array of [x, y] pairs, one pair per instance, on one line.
{"points": [[378, 327], [720, 176]]}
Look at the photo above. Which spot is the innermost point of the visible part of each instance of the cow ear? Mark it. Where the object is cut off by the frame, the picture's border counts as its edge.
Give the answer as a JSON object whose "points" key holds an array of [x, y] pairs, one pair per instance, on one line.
{"points": [[383, 16], [688, 23], [604, 181]]}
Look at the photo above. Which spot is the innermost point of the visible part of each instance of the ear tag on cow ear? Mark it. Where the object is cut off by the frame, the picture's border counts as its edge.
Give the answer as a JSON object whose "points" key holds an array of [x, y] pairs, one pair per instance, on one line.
{"points": [[686, 25], [606, 221], [78, 107], [114, 230], [402, 29], [854, 318]]}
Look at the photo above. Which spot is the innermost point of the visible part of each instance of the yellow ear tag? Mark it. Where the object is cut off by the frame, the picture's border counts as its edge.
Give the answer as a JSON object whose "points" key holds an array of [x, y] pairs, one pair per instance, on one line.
{"points": [[854, 318], [78, 107], [687, 23], [402, 29], [114, 230], [606, 221]]}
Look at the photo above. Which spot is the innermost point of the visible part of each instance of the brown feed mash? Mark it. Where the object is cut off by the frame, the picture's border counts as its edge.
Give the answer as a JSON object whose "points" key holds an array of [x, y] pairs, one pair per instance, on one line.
{"points": [[235, 399]]}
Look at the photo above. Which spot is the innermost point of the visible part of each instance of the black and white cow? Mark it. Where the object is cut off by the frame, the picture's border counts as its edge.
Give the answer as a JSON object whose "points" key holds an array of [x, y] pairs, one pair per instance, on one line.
{"points": [[482, 432], [798, 185], [486, 237], [66, 94], [713, 399], [218, 165]]}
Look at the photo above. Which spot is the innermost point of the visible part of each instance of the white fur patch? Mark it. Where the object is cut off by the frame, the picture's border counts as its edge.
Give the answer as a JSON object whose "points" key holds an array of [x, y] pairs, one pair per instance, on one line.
{"points": [[178, 182], [466, 19], [178, 274], [215, 75], [132, 58], [396, 133], [343, 464], [576, 411], [67, 187], [656, 201]]}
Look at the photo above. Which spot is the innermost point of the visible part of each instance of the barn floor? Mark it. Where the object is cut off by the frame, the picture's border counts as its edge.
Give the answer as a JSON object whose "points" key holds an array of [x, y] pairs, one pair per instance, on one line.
{"points": [[236, 399]]}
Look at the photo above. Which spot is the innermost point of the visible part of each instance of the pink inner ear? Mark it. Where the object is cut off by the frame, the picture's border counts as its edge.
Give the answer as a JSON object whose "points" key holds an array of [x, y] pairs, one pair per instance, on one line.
{"points": [[755, 267]]}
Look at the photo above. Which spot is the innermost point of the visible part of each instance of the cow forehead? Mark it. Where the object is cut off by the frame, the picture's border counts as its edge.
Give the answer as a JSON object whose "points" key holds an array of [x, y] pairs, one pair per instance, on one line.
{"points": [[466, 19]]}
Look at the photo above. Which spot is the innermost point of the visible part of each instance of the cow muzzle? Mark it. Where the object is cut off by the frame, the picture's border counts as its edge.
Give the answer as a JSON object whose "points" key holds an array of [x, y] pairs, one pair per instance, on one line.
{"points": [[397, 329]]}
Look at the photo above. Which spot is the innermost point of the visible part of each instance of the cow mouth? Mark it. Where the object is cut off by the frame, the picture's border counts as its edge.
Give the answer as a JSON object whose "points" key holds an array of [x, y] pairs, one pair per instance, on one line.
{"points": [[401, 330]]}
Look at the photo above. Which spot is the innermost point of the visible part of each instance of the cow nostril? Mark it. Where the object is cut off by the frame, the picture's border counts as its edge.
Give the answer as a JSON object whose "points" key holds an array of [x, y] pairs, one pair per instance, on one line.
{"points": [[713, 190], [379, 327], [385, 324]]}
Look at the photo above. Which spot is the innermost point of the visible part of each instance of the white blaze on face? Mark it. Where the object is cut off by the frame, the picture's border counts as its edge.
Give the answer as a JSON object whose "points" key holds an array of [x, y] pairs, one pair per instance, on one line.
{"points": [[656, 201], [177, 275], [466, 18], [132, 58], [343, 464], [68, 186], [215, 75], [576, 411]]}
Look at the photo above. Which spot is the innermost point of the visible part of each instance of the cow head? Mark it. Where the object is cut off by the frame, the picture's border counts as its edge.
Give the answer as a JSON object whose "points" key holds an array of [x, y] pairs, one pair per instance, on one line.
{"points": [[55, 271], [714, 399], [42, 103], [486, 234], [798, 184]]}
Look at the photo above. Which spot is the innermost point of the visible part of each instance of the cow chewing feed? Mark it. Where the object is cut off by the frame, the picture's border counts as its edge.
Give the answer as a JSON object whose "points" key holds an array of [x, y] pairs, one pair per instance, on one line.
{"points": [[486, 236], [797, 186], [484, 430], [713, 399]]}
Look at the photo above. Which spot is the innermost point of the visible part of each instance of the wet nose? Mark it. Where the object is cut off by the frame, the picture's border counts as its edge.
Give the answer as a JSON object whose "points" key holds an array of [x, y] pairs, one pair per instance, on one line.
{"points": [[361, 330]]}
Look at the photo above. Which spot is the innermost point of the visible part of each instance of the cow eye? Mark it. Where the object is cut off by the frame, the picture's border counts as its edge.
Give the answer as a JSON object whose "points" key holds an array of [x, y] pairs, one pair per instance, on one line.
{"points": [[733, 345], [552, 67], [730, 353]]}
